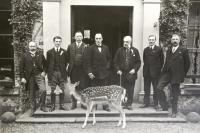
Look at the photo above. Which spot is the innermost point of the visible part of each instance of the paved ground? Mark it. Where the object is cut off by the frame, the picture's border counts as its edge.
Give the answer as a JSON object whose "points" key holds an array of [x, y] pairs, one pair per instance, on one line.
{"points": [[101, 128]]}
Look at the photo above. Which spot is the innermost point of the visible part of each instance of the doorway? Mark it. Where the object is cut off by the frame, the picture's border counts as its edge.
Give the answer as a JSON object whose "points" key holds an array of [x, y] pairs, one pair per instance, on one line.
{"points": [[114, 22]]}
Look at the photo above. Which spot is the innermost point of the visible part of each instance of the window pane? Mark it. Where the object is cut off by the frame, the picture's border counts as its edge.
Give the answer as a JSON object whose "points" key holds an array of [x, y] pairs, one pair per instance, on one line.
{"points": [[5, 5], [5, 27], [6, 49]]}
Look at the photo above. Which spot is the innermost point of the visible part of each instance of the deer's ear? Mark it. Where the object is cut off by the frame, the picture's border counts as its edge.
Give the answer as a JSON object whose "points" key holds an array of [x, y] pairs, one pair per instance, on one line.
{"points": [[77, 83]]}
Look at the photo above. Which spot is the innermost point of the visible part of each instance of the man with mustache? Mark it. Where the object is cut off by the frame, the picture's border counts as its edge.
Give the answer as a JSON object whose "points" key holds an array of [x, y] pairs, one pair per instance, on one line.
{"points": [[153, 59], [127, 63], [75, 55], [174, 71], [33, 71]]}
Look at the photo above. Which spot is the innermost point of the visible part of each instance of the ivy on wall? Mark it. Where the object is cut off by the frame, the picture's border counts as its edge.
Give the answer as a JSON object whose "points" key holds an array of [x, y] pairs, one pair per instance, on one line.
{"points": [[23, 17], [173, 19]]}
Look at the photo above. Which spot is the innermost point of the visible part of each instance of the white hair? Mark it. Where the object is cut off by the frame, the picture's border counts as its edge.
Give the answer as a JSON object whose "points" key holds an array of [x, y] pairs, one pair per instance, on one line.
{"points": [[32, 43], [129, 38]]}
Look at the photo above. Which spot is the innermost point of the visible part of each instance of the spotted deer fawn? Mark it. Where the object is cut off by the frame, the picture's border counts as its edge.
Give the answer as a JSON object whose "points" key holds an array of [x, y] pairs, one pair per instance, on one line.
{"points": [[113, 95]]}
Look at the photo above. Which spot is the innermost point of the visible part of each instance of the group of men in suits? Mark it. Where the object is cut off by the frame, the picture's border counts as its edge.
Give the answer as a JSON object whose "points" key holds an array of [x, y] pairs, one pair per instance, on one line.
{"points": [[91, 65], [173, 72]]}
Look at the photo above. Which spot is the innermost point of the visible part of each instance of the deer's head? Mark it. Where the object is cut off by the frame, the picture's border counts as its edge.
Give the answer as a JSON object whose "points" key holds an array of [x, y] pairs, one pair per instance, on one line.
{"points": [[72, 86]]}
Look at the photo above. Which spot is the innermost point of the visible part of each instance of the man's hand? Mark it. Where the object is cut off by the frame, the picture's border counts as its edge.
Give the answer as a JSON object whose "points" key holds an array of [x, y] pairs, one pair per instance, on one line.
{"points": [[119, 72], [91, 76], [23, 80], [43, 74], [132, 71]]}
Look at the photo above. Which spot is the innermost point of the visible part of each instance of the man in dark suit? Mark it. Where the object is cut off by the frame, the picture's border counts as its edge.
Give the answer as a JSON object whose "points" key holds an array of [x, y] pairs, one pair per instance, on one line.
{"points": [[153, 61], [75, 57], [127, 63], [98, 63], [32, 71], [175, 69], [56, 71]]}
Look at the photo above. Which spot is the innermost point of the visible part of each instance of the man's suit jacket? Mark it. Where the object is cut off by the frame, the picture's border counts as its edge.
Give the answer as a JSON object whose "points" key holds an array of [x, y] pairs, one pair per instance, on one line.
{"points": [[51, 60], [71, 51], [177, 64], [153, 61], [27, 64], [98, 62], [120, 58]]}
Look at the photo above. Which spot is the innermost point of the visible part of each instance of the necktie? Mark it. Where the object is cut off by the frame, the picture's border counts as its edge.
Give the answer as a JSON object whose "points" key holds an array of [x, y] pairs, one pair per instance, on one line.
{"points": [[78, 45], [173, 49], [99, 47]]}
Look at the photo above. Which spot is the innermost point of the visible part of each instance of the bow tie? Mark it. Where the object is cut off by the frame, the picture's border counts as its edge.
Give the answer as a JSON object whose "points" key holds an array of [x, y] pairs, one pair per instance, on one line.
{"points": [[99, 46]]}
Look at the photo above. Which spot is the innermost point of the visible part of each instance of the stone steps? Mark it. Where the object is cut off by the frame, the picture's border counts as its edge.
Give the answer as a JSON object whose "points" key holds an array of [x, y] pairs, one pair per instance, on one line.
{"points": [[78, 116], [100, 113], [99, 119]]}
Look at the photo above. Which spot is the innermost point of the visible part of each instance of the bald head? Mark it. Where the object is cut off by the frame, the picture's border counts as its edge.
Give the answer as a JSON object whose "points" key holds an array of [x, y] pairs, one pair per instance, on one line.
{"points": [[127, 41], [32, 46], [98, 38]]}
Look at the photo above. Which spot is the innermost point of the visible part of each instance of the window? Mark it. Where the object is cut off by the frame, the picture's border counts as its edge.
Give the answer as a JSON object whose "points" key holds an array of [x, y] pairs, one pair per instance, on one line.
{"points": [[193, 40], [6, 48]]}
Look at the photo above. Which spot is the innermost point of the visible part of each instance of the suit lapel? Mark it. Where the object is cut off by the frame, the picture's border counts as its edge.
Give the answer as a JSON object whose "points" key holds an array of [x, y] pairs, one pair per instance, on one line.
{"points": [[175, 54], [29, 56]]}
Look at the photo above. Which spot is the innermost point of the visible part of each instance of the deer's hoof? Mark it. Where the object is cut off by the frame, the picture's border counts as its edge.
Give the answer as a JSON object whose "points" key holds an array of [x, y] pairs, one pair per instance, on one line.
{"points": [[93, 123], [119, 124], [123, 126], [83, 126]]}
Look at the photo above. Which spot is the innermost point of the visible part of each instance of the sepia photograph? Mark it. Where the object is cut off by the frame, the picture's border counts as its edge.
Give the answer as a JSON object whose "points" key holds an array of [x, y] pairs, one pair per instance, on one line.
{"points": [[93, 66]]}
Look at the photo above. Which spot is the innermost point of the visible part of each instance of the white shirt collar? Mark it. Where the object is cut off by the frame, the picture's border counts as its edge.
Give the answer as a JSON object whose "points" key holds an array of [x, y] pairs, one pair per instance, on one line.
{"points": [[78, 44], [175, 47], [57, 48], [152, 46], [32, 52]]}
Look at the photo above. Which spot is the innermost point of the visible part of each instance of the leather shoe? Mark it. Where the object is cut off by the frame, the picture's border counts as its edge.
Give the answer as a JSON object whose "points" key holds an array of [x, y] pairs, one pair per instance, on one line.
{"points": [[62, 107], [144, 106], [107, 109], [165, 109], [156, 107], [43, 108], [128, 107], [52, 108], [83, 106], [173, 115], [31, 113], [73, 107]]}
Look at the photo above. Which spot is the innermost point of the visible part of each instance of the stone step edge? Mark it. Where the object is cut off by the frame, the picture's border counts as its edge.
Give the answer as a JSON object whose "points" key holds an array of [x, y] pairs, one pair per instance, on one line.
{"points": [[100, 119], [101, 113]]}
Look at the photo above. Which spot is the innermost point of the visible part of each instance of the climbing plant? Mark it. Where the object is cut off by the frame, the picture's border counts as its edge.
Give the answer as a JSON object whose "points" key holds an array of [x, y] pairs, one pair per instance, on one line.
{"points": [[23, 17], [173, 19]]}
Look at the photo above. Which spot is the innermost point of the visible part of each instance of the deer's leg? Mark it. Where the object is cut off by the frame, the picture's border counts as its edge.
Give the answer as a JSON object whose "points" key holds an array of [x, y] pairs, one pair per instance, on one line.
{"points": [[89, 108], [117, 107], [94, 118], [124, 118]]}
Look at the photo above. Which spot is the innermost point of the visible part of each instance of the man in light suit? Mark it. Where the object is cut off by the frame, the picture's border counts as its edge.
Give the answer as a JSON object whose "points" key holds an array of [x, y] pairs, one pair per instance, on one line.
{"points": [[97, 63], [175, 69], [32, 72], [127, 63], [153, 59], [75, 57], [56, 71]]}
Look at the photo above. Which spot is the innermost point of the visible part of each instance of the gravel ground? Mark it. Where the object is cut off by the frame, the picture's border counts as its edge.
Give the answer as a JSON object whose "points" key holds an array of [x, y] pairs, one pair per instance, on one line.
{"points": [[101, 128]]}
